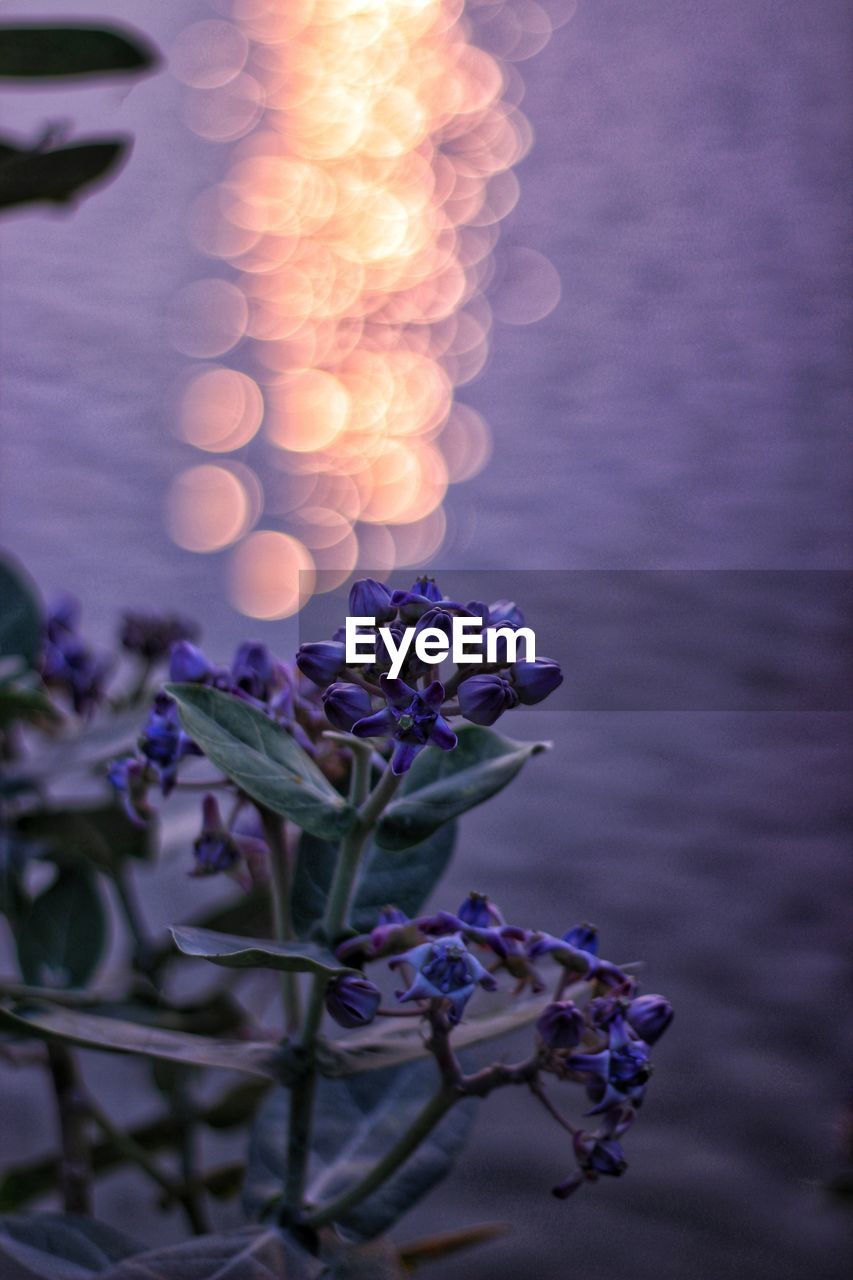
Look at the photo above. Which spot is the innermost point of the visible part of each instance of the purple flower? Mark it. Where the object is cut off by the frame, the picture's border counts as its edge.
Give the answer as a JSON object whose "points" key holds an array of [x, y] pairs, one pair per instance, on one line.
{"points": [[650, 1016], [584, 937], [252, 671], [427, 587], [323, 661], [482, 699], [479, 911], [535, 680], [127, 776], [413, 719], [352, 1001], [599, 1157], [151, 636], [505, 613], [188, 664], [163, 741], [68, 663], [371, 599], [569, 956], [344, 704], [444, 970], [215, 849], [560, 1026]]}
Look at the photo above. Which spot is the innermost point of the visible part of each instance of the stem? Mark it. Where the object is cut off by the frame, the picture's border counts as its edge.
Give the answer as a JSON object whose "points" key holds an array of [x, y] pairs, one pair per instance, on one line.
{"points": [[437, 1107], [143, 951], [126, 1145], [281, 883], [352, 847], [75, 1167]]}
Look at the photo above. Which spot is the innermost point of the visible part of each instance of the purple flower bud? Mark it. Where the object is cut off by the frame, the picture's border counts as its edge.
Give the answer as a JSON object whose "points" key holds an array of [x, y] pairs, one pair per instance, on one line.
{"points": [[371, 599], [323, 661], [352, 1001], [584, 937], [214, 849], [650, 1016], [505, 613], [344, 704], [151, 636], [252, 670], [163, 741], [560, 1026], [597, 1157], [535, 680], [188, 664], [479, 911], [427, 587], [482, 699], [127, 776]]}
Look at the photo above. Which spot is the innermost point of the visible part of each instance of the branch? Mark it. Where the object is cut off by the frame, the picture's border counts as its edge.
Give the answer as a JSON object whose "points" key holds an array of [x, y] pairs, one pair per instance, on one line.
{"points": [[75, 1165]]}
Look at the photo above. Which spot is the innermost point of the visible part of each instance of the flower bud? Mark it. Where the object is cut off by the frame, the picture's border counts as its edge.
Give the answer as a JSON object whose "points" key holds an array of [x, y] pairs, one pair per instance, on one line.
{"points": [[322, 661], [151, 636], [252, 670], [535, 680], [427, 587], [584, 937], [187, 664], [371, 599], [479, 912], [560, 1026], [344, 704], [214, 849], [352, 1001], [650, 1016], [482, 699], [505, 613]]}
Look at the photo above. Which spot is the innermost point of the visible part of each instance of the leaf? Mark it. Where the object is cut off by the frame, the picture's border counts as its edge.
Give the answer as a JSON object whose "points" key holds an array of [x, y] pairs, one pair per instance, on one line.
{"points": [[254, 1253], [235, 952], [93, 835], [250, 915], [62, 937], [262, 759], [444, 784], [50, 51], [395, 1041], [20, 615], [60, 175], [385, 879], [115, 1035], [59, 1247], [357, 1121], [24, 703]]}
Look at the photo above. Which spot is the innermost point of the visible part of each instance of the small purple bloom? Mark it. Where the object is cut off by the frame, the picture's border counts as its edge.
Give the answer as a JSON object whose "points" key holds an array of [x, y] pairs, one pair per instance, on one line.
{"points": [[479, 911], [345, 704], [322, 661], [650, 1016], [163, 741], [444, 970], [352, 1001], [560, 1026], [127, 776], [584, 937], [427, 587], [187, 664], [371, 599], [482, 699], [535, 680], [215, 849], [252, 671], [412, 718], [598, 1157]]}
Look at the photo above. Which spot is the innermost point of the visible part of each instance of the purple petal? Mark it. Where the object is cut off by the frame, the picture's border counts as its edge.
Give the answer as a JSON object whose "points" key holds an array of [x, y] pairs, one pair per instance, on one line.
{"points": [[397, 692], [442, 735], [433, 695], [404, 754], [375, 726]]}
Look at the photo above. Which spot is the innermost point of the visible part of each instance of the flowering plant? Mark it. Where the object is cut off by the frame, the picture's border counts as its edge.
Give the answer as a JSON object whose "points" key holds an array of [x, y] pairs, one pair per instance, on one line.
{"points": [[329, 800]]}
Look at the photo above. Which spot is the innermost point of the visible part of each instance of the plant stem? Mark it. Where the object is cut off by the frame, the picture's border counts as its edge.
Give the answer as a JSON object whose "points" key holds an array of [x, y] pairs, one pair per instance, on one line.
{"points": [[143, 949], [437, 1107], [281, 883], [75, 1167], [352, 847]]}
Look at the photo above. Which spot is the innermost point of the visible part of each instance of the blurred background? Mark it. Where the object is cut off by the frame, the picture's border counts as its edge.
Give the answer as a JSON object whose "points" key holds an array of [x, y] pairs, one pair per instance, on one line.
{"points": [[683, 406]]}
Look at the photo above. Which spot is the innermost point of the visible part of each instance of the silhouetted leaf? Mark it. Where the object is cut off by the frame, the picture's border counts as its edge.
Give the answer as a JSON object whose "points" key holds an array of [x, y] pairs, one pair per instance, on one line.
{"points": [[235, 952], [94, 835], [255, 1253], [20, 612], [26, 704], [60, 175], [113, 1035], [262, 759], [49, 51], [55, 1246], [385, 879], [444, 784], [62, 937]]}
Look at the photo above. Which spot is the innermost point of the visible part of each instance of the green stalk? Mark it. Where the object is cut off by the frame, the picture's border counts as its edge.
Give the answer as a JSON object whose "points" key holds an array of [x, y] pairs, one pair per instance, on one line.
{"points": [[352, 847], [437, 1107], [281, 884]]}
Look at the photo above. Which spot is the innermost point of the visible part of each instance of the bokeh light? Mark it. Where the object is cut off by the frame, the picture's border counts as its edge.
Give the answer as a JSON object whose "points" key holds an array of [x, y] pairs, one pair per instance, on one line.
{"points": [[371, 153]]}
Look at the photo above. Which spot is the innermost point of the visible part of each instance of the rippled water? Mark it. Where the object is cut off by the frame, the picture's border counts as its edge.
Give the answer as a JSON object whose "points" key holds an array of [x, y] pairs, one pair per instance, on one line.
{"points": [[685, 406]]}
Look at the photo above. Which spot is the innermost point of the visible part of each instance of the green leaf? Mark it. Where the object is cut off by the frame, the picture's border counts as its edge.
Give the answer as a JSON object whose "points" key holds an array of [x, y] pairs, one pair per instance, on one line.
{"points": [[444, 784], [23, 703], [262, 759], [60, 175], [235, 952], [59, 1246], [49, 51], [357, 1121], [94, 835], [62, 938], [394, 1041], [20, 615], [250, 915], [385, 879], [254, 1253], [113, 1035]]}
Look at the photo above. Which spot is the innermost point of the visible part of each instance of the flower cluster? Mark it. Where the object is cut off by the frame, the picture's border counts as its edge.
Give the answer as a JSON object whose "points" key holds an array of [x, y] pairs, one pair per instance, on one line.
{"points": [[596, 1032], [411, 712], [68, 663]]}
